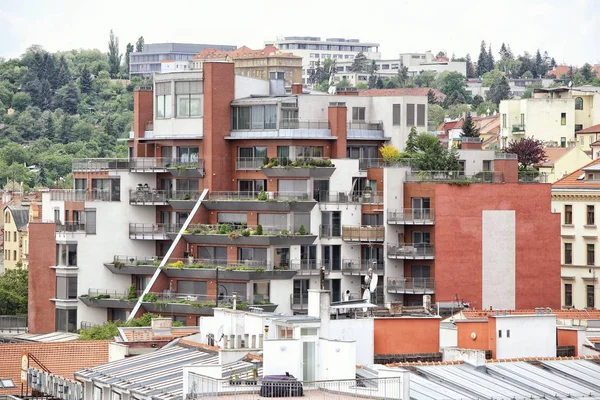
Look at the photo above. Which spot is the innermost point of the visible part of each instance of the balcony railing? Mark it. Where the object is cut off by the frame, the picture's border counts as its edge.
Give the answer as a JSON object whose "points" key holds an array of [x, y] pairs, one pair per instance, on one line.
{"points": [[358, 197], [505, 156], [150, 231], [330, 231], [99, 164], [299, 301], [410, 285], [357, 267], [69, 195], [411, 216], [411, 251], [363, 233], [366, 163], [249, 163], [532, 177], [365, 126], [454, 176], [302, 124], [139, 163], [254, 196], [190, 298], [70, 226], [309, 267], [150, 196], [518, 128]]}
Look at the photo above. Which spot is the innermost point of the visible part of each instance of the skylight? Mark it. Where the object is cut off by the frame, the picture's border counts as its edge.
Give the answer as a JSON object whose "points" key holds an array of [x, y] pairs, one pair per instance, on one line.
{"points": [[6, 383]]}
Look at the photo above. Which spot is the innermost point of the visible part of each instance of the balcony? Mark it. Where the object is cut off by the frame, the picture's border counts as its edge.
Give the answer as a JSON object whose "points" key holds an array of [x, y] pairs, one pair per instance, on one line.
{"points": [[243, 235], [309, 267], [148, 197], [259, 201], [411, 251], [84, 195], [354, 197], [303, 124], [110, 298], [363, 233], [361, 130], [411, 285], [411, 216], [454, 177], [360, 267], [366, 163], [300, 168], [192, 167], [183, 199], [133, 265], [70, 227], [287, 129], [145, 231], [99, 164], [196, 304], [533, 177], [518, 129], [249, 163], [186, 168]]}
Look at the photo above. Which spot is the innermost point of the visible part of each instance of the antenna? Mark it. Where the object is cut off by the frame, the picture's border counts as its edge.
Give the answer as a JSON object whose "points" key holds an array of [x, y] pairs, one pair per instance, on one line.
{"points": [[219, 334]]}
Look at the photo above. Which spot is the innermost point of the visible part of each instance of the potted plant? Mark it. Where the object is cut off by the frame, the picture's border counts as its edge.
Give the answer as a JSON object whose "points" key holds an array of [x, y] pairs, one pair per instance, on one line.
{"points": [[367, 192]]}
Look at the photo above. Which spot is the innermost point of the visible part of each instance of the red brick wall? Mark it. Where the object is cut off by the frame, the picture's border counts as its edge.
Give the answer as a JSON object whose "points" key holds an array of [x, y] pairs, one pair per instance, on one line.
{"points": [[42, 279], [218, 94], [337, 117], [458, 242], [509, 168], [418, 190], [567, 337], [143, 107], [410, 335]]}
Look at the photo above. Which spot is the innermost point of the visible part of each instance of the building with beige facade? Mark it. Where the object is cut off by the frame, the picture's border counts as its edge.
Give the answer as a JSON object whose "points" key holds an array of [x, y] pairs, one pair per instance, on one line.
{"points": [[16, 243], [267, 63], [553, 115], [560, 162], [577, 198]]}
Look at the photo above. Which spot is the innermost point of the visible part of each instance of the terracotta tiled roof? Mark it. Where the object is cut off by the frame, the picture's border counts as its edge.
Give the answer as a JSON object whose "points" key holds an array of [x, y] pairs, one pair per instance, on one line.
{"points": [[189, 343], [488, 125], [596, 69], [242, 52], [591, 129], [62, 358], [560, 314], [403, 92], [572, 181], [553, 155], [447, 126], [145, 334], [560, 70]]}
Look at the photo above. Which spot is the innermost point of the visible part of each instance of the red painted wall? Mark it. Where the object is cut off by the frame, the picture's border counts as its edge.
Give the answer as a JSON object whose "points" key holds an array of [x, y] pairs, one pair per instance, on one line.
{"points": [[458, 242], [567, 337], [406, 335], [42, 279], [464, 330]]}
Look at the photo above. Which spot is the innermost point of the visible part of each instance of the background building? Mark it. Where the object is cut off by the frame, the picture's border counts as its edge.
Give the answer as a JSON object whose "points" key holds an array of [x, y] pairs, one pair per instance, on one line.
{"points": [[312, 48], [16, 241], [149, 60]]}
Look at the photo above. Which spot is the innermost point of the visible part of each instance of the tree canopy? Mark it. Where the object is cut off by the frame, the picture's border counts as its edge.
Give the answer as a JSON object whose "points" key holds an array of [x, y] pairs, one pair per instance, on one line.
{"points": [[110, 329], [529, 151], [13, 292]]}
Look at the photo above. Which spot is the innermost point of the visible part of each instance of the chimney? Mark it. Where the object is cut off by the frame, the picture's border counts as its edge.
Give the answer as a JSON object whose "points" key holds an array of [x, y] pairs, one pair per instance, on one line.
{"points": [[319, 305], [161, 326], [296, 88], [337, 115], [143, 107]]}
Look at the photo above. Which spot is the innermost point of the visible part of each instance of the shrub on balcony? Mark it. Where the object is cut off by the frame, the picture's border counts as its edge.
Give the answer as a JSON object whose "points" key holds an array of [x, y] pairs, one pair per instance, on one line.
{"points": [[246, 232], [262, 196], [389, 153], [284, 232], [302, 230], [233, 235], [131, 294], [150, 298], [259, 230], [176, 264], [118, 264], [225, 229]]}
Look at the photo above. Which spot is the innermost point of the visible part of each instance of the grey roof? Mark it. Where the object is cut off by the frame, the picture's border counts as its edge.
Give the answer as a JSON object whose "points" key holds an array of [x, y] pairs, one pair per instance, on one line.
{"points": [[20, 215], [187, 48]]}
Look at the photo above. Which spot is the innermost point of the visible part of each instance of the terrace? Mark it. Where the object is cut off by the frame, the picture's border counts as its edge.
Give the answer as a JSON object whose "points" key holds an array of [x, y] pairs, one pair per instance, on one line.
{"points": [[200, 303], [259, 201], [243, 235], [192, 167], [360, 267], [411, 216], [411, 251], [411, 285], [363, 233]]}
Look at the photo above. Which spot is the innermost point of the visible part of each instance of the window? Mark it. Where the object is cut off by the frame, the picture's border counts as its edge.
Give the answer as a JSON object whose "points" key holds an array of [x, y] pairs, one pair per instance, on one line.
{"points": [[292, 185], [420, 114], [590, 215], [358, 113], [14, 236], [563, 118], [563, 142], [421, 237], [504, 120], [81, 184], [508, 333], [487, 165], [261, 292], [277, 221], [66, 321], [255, 117], [396, 114], [66, 287], [301, 219], [14, 255], [212, 253], [236, 219], [500, 333], [187, 186], [591, 254], [410, 115], [579, 127], [568, 253], [372, 219], [578, 103], [252, 254], [8, 217], [66, 255], [331, 221], [191, 287], [163, 100], [188, 154], [106, 189], [568, 214], [568, 295], [280, 75], [590, 296], [189, 99], [252, 185]]}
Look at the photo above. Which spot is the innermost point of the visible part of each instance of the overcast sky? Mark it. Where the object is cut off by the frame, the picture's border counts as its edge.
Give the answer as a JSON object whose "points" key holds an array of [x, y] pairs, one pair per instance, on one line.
{"points": [[568, 29]]}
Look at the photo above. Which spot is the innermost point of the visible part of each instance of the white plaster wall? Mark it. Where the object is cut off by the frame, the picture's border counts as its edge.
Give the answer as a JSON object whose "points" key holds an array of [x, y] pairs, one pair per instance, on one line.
{"points": [[336, 360], [530, 336], [474, 160], [244, 87], [452, 66], [281, 356], [359, 331], [448, 336], [498, 259], [281, 290], [117, 351]]}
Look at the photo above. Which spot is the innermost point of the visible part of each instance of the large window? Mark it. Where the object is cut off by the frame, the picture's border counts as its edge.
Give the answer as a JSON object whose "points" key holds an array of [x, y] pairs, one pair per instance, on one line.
{"points": [[568, 214], [396, 114], [163, 100], [189, 99], [358, 113], [66, 287], [212, 253], [191, 287], [420, 114], [235, 219], [252, 254], [106, 189], [292, 185], [563, 118], [66, 255], [568, 253], [188, 154], [254, 117], [278, 221], [568, 295], [252, 185], [410, 115], [590, 215], [372, 219], [301, 219], [257, 152], [590, 296], [591, 254], [579, 103], [66, 320]]}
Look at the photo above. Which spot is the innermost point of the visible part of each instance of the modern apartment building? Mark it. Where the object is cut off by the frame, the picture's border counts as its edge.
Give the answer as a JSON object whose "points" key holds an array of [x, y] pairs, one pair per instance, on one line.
{"points": [[268, 63], [148, 61], [312, 48], [295, 185], [577, 198], [553, 115]]}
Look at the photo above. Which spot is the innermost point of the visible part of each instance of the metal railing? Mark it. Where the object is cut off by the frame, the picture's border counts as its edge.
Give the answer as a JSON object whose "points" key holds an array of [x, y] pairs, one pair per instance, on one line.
{"points": [[88, 325], [174, 297], [468, 139], [411, 250], [69, 195], [13, 323], [454, 176], [330, 231], [150, 231], [148, 196], [411, 216], [358, 197], [99, 164], [302, 124], [133, 261], [139, 163], [410, 285], [366, 163], [309, 267], [365, 126], [533, 177], [225, 229], [249, 163], [363, 233], [70, 226], [505, 156], [355, 266], [518, 128], [130, 261], [253, 196], [247, 387], [111, 293]]}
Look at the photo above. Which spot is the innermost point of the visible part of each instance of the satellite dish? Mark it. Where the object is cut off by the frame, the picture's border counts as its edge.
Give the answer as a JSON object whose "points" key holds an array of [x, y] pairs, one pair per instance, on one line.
{"points": [[570, 84], [367, 279], [366, 296], [374, 280], [219, 334]]}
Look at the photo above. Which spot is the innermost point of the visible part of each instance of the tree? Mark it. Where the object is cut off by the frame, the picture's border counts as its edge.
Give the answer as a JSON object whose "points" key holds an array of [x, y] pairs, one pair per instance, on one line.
{"points": [[529, 151], [21, 100], [430, 155], [470, 68], [527, 75], [63, 75], [540, 68], [482, 61], [114, 58], [469, 129], [477, 100], [360, 63], [85, 80], [436, 115], [431, 97], [440, 54], [372, 83], [453, 85], [486, 108], [67, 98], [491, 77], [587, 72], [379, 83], [411, 142], [402, 76], [458, 110], [499, 91], [128, 51], [490, 59], [139, 45], [13, 292], [426, 79]]}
